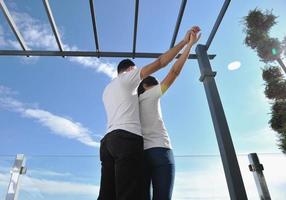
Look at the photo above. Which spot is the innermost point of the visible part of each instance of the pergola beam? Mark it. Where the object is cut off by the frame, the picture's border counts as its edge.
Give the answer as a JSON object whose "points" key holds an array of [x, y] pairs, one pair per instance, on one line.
{"points": [[92, 12], [53, 24], [135, 27], [178, 23], [13, 25], [217, 23], [87, 54]]}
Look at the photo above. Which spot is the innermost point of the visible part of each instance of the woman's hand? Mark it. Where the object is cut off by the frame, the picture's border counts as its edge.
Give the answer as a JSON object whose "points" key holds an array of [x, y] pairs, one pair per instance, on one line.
{"points": [[187, 36], [194, 35]]}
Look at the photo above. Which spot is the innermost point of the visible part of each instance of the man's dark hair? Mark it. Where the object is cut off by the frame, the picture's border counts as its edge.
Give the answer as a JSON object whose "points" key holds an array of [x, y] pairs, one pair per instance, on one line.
{"points": [[124, 64], [148, 81]]}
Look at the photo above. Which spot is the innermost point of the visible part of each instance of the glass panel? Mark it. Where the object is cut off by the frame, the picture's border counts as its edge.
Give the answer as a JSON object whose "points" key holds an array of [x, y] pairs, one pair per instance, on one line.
{"points": [[60, 178], [78, 177], [197, 177]]}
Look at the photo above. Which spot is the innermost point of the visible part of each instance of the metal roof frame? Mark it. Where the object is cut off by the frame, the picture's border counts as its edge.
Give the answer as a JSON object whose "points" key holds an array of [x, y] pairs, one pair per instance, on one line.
{"points": [[97, 53]]}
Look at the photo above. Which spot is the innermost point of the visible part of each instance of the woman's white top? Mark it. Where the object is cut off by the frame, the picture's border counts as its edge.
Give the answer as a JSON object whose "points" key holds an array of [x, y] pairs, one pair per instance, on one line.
{"points": [[152, 125]]}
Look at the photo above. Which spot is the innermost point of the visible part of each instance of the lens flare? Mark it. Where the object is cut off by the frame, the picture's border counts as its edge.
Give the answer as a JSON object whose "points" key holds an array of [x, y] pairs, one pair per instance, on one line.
{"points": [[234, 65]]}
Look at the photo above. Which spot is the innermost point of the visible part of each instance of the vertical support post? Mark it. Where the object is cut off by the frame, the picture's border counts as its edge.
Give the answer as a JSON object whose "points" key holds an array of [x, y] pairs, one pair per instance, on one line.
{"points": [[226, 148], [17, 170], [257, 168]]}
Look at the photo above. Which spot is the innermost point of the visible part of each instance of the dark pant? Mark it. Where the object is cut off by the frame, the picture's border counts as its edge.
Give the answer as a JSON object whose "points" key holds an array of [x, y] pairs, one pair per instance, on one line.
{"points": [[121, 155], [159, 168]]}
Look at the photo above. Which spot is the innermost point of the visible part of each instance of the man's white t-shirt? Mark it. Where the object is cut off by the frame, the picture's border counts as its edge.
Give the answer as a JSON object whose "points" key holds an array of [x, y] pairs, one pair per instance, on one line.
{"points": [[121, 102], [153, 128]]}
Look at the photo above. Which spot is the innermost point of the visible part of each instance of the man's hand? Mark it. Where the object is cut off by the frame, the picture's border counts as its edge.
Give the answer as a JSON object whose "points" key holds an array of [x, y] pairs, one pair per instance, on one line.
{"points": [[194, 35]]}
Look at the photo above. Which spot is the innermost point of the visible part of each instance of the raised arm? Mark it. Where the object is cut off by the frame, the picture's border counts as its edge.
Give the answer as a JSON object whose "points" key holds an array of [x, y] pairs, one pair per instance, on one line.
{"points": [[178, 65], [165, 58]]}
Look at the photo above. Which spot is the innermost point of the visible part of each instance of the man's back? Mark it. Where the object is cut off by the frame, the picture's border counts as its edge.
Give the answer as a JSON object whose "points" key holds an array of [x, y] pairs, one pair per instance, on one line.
{"points": [[121, 103]]}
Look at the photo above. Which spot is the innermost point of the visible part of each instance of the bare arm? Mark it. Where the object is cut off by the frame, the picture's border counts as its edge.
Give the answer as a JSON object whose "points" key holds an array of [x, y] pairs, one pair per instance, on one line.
{"points": [[165, 58], [178, 65]]}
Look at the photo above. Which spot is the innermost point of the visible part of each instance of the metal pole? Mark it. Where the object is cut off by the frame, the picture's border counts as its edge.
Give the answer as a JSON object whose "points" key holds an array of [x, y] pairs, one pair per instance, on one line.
{"points": [[17, 170], [92, 12], [217, 23], [178, 23], [257, 168], [226, 148], [135, 27], [53, 24]]}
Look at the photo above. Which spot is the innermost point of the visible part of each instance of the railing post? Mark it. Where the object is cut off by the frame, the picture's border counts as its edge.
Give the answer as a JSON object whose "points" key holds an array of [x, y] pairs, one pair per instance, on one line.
{"points": [[257, 168], [226, 148], [17, 170]]}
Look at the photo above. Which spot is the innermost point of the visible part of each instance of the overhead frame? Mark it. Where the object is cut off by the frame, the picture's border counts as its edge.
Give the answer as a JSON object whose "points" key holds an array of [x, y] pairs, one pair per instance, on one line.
{"points": [[97, 53]]}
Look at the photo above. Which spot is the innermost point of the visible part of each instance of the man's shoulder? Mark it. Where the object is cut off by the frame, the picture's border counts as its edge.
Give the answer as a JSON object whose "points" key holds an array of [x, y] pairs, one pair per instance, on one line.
{"points": [[113, 86], [111, 83]]}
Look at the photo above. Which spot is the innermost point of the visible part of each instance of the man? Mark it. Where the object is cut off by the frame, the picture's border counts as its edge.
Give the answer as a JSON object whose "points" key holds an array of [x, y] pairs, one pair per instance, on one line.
{"points": [[121, 150]]}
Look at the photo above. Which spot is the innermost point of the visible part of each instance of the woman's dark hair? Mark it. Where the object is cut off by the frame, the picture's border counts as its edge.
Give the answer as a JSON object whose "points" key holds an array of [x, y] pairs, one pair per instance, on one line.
{"points": [[124, 64], [148, 81]]}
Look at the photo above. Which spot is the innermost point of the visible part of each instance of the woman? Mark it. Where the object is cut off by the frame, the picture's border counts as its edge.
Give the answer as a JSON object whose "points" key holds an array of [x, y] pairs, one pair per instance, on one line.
{"points": [[158, 155]]}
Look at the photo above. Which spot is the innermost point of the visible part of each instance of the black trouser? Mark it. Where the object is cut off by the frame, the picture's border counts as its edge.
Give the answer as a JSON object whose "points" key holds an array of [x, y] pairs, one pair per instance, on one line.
{"points": [[121, 155]]}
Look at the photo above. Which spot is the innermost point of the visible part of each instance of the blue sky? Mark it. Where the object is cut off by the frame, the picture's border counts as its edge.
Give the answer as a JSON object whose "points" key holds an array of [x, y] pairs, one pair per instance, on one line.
{"points": [[53, 105]]}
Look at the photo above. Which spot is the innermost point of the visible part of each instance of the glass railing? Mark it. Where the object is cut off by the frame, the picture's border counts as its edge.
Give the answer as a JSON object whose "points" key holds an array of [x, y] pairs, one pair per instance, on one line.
{"points": [[6, 162], [73, 177]]}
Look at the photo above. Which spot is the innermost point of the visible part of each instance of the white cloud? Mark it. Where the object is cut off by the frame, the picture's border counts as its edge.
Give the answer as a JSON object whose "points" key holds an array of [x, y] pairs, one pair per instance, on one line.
{"points": [[200, 185], [96, 64], [6, 91], [38, 35], [234, 65], [58, 187], [61, 126], [2, 40], [47, 173], [57, 124]]}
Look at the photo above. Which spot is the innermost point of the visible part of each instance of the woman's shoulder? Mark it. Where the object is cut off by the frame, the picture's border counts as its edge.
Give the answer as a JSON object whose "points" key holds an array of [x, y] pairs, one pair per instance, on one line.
{"points": [[154, 92]]}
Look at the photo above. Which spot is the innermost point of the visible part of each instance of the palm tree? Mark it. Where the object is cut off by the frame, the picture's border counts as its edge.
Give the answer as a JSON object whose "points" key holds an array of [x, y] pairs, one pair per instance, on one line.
{"points": [[257, 26]]}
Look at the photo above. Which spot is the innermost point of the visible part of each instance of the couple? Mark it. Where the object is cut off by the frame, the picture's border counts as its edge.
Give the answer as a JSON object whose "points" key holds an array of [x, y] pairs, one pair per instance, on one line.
{"points": [[136, 149]]}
